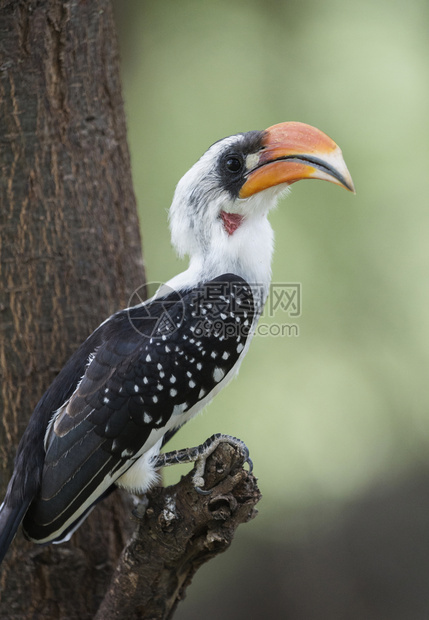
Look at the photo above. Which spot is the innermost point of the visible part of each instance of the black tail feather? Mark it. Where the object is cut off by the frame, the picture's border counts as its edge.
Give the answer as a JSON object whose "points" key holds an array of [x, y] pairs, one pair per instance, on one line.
{"points": [[10, 519]]}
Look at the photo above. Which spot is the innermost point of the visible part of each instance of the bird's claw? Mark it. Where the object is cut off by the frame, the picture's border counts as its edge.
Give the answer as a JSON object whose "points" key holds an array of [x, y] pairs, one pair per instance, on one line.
{"points": [[207, 449], [202, 491]]}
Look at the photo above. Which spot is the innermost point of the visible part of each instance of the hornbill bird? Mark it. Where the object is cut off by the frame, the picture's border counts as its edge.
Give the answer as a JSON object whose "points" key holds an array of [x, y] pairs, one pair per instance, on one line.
{"points": [[148, 369]]}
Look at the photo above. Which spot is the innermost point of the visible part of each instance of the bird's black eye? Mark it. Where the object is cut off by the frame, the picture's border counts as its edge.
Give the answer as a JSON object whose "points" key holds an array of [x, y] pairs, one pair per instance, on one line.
{"points": [[233, 164]]}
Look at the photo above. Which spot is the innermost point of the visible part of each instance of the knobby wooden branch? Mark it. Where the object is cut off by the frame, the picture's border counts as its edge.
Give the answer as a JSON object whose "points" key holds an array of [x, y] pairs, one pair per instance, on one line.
{"points": [[180, 530]]}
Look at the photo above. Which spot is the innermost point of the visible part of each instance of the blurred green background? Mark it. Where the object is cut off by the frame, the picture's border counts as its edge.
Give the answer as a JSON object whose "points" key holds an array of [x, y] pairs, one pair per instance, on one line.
{"points": [[336, 416]]}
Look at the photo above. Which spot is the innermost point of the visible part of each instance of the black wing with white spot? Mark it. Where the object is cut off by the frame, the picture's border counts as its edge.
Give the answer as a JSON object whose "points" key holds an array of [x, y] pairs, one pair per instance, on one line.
{"points": [[153, 365]]}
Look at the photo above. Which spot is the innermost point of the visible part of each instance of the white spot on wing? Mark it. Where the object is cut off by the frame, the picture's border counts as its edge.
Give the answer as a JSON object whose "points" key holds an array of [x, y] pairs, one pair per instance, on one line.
{"points": [[218, 374], [126, 452]]}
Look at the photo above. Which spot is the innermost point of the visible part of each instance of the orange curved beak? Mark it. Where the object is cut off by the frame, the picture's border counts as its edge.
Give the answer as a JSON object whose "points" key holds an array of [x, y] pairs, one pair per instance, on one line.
{"points": [[294, 151]]}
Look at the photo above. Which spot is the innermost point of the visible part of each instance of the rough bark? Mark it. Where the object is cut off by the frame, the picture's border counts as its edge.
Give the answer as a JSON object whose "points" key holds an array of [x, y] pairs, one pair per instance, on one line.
{"points": [[180, 531], [69, 256]]}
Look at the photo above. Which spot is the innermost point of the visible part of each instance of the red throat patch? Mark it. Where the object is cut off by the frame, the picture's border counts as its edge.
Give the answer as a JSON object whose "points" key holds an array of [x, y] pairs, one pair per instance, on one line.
{"points": [[231, 221]]}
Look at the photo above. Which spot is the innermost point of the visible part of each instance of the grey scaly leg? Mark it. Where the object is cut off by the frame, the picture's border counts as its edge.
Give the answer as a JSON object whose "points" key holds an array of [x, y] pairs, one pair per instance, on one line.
{"points": [[199, 455]]}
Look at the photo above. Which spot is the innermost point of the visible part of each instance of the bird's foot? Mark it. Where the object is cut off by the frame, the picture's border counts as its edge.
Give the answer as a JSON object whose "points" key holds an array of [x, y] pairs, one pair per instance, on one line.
{"points": [[207, 448], [199, 455]]}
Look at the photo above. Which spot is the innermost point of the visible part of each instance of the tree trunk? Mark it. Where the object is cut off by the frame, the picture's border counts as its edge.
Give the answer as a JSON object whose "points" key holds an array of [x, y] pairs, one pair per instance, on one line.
{"points": [[69, 256]]}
